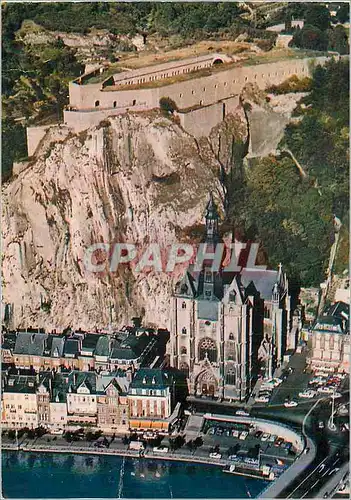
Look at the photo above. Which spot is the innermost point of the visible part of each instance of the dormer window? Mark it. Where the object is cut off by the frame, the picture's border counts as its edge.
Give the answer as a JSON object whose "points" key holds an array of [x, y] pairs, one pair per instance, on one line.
{"points": [[153, 381], [144, 380]]}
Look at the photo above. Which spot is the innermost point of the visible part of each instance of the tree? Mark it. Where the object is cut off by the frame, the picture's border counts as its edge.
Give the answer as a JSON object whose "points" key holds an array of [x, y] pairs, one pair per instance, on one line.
{"points": [[198, 442], [338, 40], [318, 15], [310, 37], [343, 13], [167, 105]]}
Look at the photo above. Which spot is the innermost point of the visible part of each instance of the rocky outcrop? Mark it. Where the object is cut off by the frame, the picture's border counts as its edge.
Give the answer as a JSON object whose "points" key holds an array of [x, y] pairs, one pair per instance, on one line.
{"points": [[135, 178]]}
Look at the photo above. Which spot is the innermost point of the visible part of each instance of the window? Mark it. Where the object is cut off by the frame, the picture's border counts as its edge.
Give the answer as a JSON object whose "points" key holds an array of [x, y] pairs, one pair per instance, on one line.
{"points": [[230, 376], [97, 104], [115, 104], [207, 348], [184, 330], [180, 95], [231, 336], [183, 350], [184, 368], [123, 422], [134, 102], [193, 92], [183, 305]]}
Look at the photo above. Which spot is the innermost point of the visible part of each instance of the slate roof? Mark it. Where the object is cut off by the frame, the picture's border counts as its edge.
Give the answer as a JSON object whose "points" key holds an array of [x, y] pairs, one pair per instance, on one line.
{"points": [[102, 346], [71, 346], [263, 279], [120, 382], [208, 309], [89, 342], [59, 388], [57, 346], [31, 343], [340, 309], [77, 378], [152, 378], [329, 324], [9, 341], [25, 384], [130, 348]]}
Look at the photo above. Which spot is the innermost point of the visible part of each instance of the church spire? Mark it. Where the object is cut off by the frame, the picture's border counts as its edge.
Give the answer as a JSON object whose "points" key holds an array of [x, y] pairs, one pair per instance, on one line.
{"points": [[211, 217]]}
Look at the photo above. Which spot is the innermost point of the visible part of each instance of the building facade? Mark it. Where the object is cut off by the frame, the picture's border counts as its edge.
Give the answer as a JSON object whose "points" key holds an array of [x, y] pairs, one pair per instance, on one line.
{"points": [[329, 340], [227, 329]]}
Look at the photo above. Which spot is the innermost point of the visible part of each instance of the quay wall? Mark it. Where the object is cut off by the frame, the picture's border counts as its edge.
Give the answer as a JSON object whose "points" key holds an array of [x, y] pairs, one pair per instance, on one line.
{"points": [[34, 136]]}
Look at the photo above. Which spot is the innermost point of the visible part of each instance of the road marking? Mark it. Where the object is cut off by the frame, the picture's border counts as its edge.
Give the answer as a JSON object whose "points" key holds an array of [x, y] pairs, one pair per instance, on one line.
{"points": [[303, 496], [310, 474]]}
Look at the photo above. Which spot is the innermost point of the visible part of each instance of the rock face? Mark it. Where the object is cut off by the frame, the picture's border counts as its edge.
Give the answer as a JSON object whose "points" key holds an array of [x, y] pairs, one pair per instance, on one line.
{"points": [[135, 178]]}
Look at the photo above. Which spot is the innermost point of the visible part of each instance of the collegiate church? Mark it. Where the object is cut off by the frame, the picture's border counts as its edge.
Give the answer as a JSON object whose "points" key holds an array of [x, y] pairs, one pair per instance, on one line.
{"points": [[227, 329]]}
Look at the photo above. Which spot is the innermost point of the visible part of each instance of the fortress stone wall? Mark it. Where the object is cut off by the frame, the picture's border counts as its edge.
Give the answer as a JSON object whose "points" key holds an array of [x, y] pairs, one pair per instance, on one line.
{"points": [[90, 103]]}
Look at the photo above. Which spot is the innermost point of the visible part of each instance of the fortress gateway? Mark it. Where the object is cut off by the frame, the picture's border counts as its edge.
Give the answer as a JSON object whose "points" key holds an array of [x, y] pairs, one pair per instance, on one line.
{"points": [[205, 89]]}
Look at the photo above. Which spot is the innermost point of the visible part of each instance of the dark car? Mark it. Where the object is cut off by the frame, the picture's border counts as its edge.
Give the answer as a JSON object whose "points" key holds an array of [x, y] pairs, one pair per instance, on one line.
{"points": [[258, 434]]}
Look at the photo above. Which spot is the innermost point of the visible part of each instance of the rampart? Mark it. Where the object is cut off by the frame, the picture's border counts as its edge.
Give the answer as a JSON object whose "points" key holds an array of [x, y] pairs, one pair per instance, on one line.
{"points": [[202, 100]]}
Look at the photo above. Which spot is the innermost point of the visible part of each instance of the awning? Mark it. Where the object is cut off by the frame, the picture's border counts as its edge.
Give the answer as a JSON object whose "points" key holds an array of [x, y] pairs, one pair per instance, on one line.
{"points": [[148, 424]]}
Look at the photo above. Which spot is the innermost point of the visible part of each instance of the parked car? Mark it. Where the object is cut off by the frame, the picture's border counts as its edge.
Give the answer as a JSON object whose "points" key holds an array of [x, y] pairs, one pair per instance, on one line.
{"points": [[215, 455], [336, 395], [243, 435], [219, 431], [258, 434], [242, 413], [306, 450], [272, 438], [57, 432], [227, 432], [262, 399], [290, 404], [278, 441], [265, 436], [160, 449], [235, 433], [321, 425], [325, 390], [307, 394], [212, 431]]}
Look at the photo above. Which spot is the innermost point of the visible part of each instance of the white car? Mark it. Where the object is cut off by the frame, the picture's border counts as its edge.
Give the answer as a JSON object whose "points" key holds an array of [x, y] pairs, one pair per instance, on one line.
{"points": [[235, 433], [262, 399], [243, 435], [242, 413], [160, 449], [265, 436], [336, 395], [56, 432], [290, 404], [277, 381], [307, 394], [325, 390], [215, 455]]}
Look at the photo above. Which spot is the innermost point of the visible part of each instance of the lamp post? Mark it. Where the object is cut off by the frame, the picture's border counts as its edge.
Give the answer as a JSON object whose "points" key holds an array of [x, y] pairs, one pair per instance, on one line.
{"points": [[331, 423]]}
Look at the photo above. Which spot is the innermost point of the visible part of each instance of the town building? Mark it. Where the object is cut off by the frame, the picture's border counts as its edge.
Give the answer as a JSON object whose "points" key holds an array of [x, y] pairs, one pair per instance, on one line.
{"points": [[19, 402], [80, 350], [152, 398], [329, 340], [227, 328], [112, 403], [62, 400]]}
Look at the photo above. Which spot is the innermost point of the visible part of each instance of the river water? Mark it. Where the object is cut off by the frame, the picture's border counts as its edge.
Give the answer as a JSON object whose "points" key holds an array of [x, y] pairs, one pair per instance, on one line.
{"points": [[50, 475]]}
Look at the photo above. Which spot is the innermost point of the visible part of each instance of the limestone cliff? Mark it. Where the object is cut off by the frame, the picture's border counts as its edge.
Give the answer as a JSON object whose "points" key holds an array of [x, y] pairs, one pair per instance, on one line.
{"points": [[135, 178]]}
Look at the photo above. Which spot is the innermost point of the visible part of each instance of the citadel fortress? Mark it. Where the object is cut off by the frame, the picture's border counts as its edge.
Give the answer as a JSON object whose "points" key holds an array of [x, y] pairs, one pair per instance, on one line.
{"points": [[205, 89]]}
